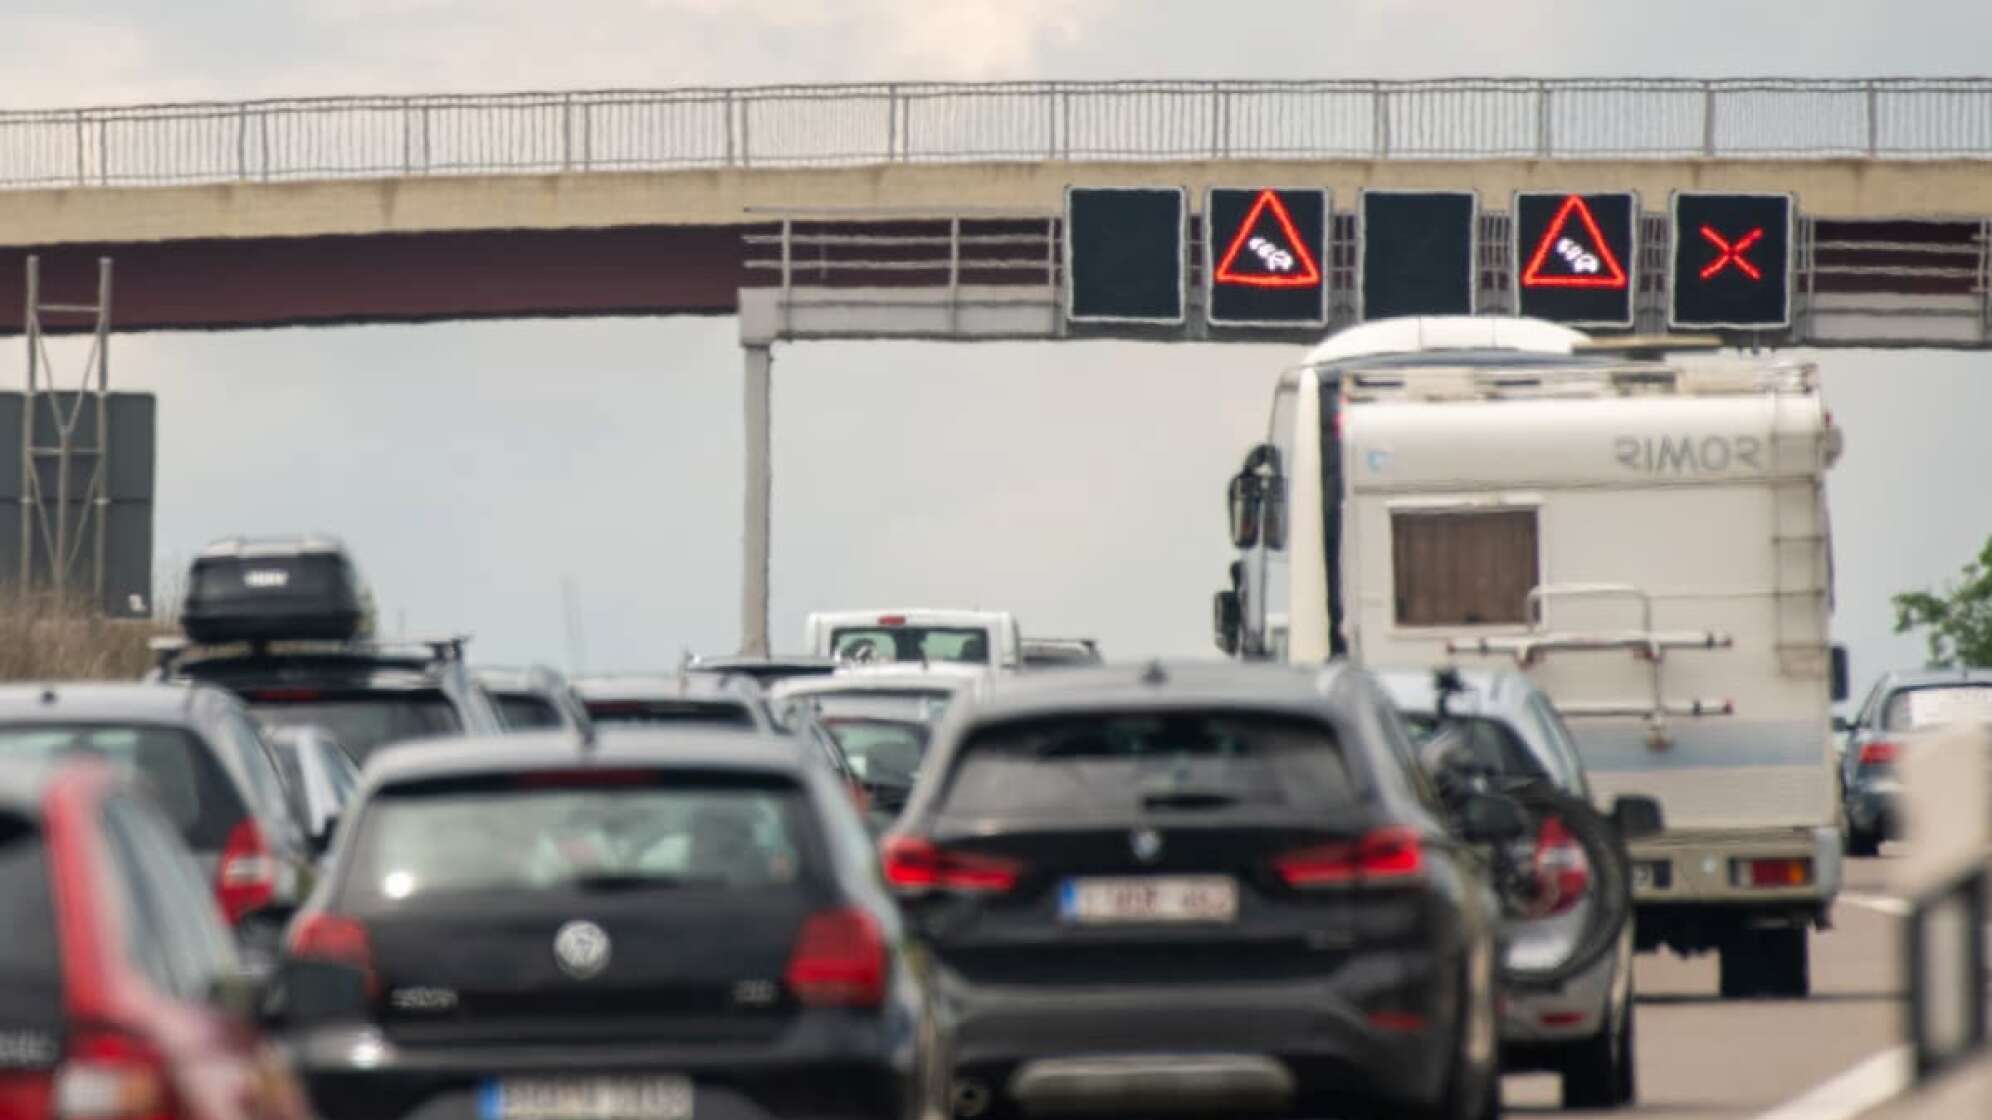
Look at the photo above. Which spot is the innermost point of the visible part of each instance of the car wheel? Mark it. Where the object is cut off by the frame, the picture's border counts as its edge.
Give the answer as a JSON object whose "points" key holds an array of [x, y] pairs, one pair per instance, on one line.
{"points": [[1863, 842], [1602, 1072], [1768, 962]]}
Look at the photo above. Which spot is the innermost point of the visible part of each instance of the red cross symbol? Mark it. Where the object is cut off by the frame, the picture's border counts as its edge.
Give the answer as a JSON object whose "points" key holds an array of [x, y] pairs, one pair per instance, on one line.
{"points": [[1732, 253]]}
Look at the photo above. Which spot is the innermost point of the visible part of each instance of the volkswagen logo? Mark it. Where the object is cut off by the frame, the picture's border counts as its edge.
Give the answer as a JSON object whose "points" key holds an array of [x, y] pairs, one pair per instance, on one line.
{"points": [[1147, 844], [582, 949]]}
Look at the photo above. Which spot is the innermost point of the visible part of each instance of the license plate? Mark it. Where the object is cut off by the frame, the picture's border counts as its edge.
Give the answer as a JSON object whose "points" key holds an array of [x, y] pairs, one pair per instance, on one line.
{"points": [[1184, 898], [586, 1098]]}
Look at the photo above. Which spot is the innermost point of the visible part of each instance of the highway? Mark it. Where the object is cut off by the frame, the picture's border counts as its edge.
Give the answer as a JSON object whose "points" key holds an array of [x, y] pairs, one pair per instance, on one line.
{"points": [[1701, 1057]]}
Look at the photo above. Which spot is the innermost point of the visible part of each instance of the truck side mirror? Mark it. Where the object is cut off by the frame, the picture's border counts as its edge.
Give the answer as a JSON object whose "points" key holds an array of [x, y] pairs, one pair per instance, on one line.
{"points": [[1840, 673], [1242, 505], [1637, 817], [1228, 620]]}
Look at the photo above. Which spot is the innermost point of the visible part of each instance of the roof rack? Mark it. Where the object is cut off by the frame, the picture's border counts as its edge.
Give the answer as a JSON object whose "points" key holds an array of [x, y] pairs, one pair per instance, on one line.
{"points": [[168, 650]]}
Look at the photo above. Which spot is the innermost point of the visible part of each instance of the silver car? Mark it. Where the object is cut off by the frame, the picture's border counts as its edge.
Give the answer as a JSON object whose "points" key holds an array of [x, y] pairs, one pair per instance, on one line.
{"points": [[1583, 1027]]}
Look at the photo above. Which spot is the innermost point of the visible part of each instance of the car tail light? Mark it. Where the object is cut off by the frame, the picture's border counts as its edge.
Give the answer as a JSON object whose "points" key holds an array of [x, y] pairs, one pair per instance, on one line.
{"points": [[1383, 856], [1787, 872], [1396, 1020], [110, 1075], [839, 960], [1878, 754], [246, 878], [325, 938], [913, 864], [1562, 870]]}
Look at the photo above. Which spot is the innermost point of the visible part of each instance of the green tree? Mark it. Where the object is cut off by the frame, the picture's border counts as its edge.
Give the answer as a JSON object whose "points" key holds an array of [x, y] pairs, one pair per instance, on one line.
{"points": [[1959, 619]]}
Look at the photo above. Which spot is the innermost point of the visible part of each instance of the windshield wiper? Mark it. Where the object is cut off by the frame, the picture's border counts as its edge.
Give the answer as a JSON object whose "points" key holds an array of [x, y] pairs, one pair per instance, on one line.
{"points": [[610, 881], [1189, 797]]}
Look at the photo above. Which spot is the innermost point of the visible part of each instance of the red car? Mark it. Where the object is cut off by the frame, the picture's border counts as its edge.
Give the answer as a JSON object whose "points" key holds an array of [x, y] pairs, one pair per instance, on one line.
{"points": [[120, 994]]}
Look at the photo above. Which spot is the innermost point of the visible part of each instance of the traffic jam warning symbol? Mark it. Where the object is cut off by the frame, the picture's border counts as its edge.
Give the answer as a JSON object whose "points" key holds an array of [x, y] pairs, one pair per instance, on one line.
{"points": [[1731, 260], [1578, 249], [1266, 246]]}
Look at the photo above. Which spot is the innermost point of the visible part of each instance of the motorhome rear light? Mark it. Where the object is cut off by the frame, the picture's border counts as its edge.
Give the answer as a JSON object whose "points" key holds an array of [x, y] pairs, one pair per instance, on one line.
{"points": [[1782, 872], [913, 865], [111, 1075], [839, 960], [892, 620], [246, 878], [1879, 754], [1383, 856]]}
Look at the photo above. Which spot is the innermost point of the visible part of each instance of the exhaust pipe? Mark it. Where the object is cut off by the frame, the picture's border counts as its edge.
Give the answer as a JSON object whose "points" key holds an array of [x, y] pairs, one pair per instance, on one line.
{"points": [[971, 1099]]}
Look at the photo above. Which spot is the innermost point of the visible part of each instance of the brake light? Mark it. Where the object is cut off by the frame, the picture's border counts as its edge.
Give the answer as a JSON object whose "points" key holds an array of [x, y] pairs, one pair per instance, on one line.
{"points": [[839, 960], [913, 864], [336, 939], [1383, 856], [1879, 754], [246, 879], [287, 695], [1562, 870], [583, 779], [892, 620], [111, 1075], [1787, 872]]}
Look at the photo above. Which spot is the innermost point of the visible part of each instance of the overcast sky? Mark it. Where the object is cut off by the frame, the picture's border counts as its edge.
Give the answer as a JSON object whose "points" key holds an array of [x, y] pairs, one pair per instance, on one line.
{"points": [[477, 466]]}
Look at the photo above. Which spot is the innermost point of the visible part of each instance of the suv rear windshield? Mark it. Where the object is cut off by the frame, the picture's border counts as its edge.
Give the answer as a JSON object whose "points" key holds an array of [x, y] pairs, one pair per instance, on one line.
{"points": [[1938, 705], [361, 721], [911, 643], [659, 713], [1125, 764], [30, 962], [169, 763], [604, 830]]}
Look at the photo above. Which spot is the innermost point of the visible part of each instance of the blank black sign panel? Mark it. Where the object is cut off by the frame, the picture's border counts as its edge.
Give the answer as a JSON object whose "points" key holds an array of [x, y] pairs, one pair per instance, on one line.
{"points": [[1124, 254], [1417, 256], [1574, 256], [1268, 249], [1731, 262]]}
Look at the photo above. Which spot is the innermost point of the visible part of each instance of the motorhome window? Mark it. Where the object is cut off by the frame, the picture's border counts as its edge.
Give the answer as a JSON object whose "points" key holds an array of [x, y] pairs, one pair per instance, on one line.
{"points": [[1463, 568], [1913, 709]]}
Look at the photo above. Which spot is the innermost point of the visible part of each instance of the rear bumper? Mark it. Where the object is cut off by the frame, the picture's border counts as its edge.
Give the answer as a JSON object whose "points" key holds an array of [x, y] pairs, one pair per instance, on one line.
{"points": [[818, 1072], [1268, 1046], [1575, 1010]]}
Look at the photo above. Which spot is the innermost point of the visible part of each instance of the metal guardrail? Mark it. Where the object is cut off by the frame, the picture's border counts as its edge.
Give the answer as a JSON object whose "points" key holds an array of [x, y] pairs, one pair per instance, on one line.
{"points": [[938, 122]]}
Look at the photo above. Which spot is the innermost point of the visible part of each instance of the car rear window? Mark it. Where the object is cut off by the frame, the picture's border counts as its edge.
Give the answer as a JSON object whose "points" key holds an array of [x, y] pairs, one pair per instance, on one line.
{"points": [[911, 643], [176, 769], [1126, 764], [662, 713], [1491, 744], [361, 721], [601, 829], [1938, 705], [885, 751], [524, 711], [30, 961]]}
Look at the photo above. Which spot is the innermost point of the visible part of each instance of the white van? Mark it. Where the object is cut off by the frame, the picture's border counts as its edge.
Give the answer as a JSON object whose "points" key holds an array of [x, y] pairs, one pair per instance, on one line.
{"points": [[1647, 539], [972, 637]]}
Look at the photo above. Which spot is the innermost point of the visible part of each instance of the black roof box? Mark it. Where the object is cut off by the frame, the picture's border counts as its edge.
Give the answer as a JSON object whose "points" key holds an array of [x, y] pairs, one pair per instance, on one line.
{"points": [[275, 589]]}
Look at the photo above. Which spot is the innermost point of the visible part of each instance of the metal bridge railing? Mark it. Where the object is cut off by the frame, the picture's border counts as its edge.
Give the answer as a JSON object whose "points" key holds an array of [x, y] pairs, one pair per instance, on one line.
{"points": [[932, 122]]}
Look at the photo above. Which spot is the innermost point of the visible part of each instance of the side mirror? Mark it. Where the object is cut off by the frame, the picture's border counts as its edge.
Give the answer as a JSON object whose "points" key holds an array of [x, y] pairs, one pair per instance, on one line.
{"points": [[321, 840], [1637, 817], [1487, 818], [1243, 500], [1228, 621], [1842, 725], [1841, 672]]}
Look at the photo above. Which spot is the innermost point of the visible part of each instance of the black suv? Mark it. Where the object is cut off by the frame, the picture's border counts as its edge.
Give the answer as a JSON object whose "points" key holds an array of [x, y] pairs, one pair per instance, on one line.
{"points": [[283, 623]]}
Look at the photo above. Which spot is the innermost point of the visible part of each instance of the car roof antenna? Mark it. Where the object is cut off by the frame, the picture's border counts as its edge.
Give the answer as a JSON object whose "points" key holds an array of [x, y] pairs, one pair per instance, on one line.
{"points": [[1446, 683]]}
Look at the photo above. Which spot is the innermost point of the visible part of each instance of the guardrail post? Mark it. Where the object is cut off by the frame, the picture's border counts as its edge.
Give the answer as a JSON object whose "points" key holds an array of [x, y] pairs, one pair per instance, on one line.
{"points": [[1380, 101], [1708, 119], [103, 152], [1217, 107], [567, 132], [746, 146], [891, 118], [82, 165], [242, 142], [1873, 119], [1545, 143]]}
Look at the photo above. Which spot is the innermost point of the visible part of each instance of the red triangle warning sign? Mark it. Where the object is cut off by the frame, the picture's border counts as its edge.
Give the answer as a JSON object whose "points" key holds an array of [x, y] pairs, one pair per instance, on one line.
{"points": [[1567, 258], [1273, 257]]}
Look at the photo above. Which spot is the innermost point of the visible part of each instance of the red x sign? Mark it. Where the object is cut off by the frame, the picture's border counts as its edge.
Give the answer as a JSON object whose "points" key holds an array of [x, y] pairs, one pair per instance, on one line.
{"points": [[1732, 253]]}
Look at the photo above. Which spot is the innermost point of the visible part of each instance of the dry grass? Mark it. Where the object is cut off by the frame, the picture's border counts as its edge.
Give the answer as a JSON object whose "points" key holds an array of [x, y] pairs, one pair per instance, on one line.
{"points": [[43, 638]]}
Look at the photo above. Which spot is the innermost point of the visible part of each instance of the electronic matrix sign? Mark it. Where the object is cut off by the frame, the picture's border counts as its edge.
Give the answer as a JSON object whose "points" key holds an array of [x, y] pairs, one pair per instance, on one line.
{"points": [[1266, 253], [1574, 256], [1730, 264], [1124, 254], [1418, 251]]}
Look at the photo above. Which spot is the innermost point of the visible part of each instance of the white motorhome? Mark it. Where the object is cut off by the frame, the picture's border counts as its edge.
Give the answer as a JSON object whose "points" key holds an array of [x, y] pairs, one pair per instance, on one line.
{"points": [[1648, 539], [974, 637]]}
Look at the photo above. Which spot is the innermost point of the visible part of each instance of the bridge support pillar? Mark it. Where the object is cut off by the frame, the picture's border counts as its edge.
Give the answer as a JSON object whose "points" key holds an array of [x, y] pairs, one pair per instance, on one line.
{"points": [[757, 517]]}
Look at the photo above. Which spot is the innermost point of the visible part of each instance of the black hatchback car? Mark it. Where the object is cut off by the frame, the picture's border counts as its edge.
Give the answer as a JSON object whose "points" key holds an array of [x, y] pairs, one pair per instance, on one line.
{"points": [[1219, 889], [681, 925]]}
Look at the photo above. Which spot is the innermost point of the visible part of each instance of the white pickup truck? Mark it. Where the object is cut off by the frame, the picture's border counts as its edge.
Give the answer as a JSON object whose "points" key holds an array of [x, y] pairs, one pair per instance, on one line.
{"points": [[972, 637], [1647, 539]]}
